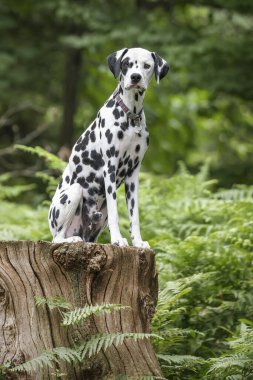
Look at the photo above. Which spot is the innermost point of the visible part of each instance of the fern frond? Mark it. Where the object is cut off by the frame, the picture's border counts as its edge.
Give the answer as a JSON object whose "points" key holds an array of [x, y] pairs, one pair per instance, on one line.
{"points": [[104, 341], [53, 162], [48, 358], [80, 314], [9, 192], [237, 360], [181, 360], [52, 302]]}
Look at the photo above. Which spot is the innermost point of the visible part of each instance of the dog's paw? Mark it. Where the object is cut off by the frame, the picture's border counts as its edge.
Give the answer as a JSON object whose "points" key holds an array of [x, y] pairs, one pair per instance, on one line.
{"points": [[72, 239], [121, 242], [141, 244]]}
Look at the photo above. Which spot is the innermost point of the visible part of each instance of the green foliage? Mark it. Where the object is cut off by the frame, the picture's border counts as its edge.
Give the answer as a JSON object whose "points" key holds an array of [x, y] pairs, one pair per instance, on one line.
{"points": [[203, 241], [201, 109], [81, 314], [52, 161], [56, 302], [82, 350], [48, 358], [238, 362], [104, 341]]}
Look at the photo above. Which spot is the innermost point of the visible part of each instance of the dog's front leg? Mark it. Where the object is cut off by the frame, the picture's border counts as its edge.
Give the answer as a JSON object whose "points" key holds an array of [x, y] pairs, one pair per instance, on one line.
{"points": [[131, 188], [111, 200]]}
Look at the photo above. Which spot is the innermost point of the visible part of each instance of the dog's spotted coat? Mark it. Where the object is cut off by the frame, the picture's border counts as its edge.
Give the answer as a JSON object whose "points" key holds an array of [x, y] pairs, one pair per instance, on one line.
{"points": [[107, 154]]}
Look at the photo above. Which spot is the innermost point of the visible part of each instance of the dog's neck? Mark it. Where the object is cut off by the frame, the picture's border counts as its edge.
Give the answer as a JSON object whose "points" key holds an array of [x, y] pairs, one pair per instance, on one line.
{"points": [[133, 98]]}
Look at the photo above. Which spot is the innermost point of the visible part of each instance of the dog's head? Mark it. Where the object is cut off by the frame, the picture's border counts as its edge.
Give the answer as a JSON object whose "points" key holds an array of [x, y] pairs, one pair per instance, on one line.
{"points": [[134, 67]]}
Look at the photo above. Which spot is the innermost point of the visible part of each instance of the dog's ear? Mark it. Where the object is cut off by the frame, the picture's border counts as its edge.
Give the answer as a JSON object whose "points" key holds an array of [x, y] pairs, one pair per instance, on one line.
{"points": [[114, 61], [161, 67]]}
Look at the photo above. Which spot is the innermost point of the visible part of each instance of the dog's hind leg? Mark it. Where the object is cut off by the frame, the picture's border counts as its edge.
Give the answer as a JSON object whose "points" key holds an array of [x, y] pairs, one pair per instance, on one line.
{"points": [[63, 215]]}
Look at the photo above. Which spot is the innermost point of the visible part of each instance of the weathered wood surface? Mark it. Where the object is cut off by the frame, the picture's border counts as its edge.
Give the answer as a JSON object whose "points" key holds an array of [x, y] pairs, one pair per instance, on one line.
{"points": [[81, 273]]}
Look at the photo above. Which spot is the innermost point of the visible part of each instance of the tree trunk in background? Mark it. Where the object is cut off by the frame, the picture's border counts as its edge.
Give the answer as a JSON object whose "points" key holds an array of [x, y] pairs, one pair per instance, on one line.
{"points": [[72, 72], [82, 274]]}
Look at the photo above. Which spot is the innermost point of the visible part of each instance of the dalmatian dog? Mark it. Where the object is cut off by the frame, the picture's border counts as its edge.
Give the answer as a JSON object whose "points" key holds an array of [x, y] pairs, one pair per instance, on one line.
{"points": [[108, 153]]}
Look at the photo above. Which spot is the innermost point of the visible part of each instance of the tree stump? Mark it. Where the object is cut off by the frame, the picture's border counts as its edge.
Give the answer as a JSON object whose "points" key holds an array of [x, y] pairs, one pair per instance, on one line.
{"points": [[82, 274]]}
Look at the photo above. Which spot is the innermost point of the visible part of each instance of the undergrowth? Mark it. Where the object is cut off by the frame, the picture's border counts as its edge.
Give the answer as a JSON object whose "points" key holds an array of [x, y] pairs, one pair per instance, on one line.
{"points": [[203, 239]]}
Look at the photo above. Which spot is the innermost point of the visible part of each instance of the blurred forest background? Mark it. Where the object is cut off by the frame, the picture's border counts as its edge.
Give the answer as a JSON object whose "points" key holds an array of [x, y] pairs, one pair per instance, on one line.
{"points": [[196, 185]]}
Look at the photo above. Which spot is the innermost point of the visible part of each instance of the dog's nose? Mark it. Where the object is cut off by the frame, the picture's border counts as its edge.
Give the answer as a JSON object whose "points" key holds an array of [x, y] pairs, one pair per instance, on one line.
{"points": [[135, 78]]}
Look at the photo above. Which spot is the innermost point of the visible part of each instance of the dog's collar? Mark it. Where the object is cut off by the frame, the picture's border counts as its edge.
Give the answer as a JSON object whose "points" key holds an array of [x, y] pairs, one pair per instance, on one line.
{"points": [[136, 117]]}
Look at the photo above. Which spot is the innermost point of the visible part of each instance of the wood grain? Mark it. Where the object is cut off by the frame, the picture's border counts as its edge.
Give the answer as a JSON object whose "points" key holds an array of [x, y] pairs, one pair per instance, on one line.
{"points": [[82, 274]]}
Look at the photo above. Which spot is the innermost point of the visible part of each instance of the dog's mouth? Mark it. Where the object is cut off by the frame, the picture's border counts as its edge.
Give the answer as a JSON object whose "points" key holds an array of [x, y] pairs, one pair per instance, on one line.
{"points": [[136, 86]]}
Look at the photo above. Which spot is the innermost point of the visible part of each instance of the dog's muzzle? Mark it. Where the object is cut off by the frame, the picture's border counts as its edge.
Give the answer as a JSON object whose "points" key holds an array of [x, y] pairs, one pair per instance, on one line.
{"points": [[135, 78]]}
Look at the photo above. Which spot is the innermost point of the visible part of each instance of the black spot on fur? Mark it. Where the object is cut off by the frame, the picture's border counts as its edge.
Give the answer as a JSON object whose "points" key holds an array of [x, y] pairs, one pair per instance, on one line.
{"points": [[124, 66], [114, 195], [136, 97], [124, 126], [112, 150], [97, 161], [76, 160], [60, 184], [132, 203], [125, 160], [132, 187], [63, 199], [79, 168], [67, 179], [90, 177], [93, 137], [116, 123], [137, 148], [122, 173], [109, 189], [74, 176], [112, 177], [82, 182], [93, 126], [91, 202], [116, 113], [110, 103], [122, 113], [92, 191], [111, 168], [102, 123], [120, 135], [109, 136]]}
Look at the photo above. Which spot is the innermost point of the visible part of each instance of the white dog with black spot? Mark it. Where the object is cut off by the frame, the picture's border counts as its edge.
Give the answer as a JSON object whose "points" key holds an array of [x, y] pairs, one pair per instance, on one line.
{"points": [[108, 153]]}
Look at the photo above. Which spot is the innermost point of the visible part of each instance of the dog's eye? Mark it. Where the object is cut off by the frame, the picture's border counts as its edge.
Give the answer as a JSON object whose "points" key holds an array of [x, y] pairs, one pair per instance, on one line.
{"points": [[146, 66]]}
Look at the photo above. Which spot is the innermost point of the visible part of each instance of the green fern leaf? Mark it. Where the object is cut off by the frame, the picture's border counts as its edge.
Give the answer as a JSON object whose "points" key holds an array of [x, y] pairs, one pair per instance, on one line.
{"points": [[52, 302], [104, 341], [80, 314], [53, 162]]}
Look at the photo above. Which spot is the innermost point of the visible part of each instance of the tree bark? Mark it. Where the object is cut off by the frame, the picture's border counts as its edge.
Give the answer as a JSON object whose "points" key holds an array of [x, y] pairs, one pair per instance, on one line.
{"points": [[72, 72], [82, 274]]}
